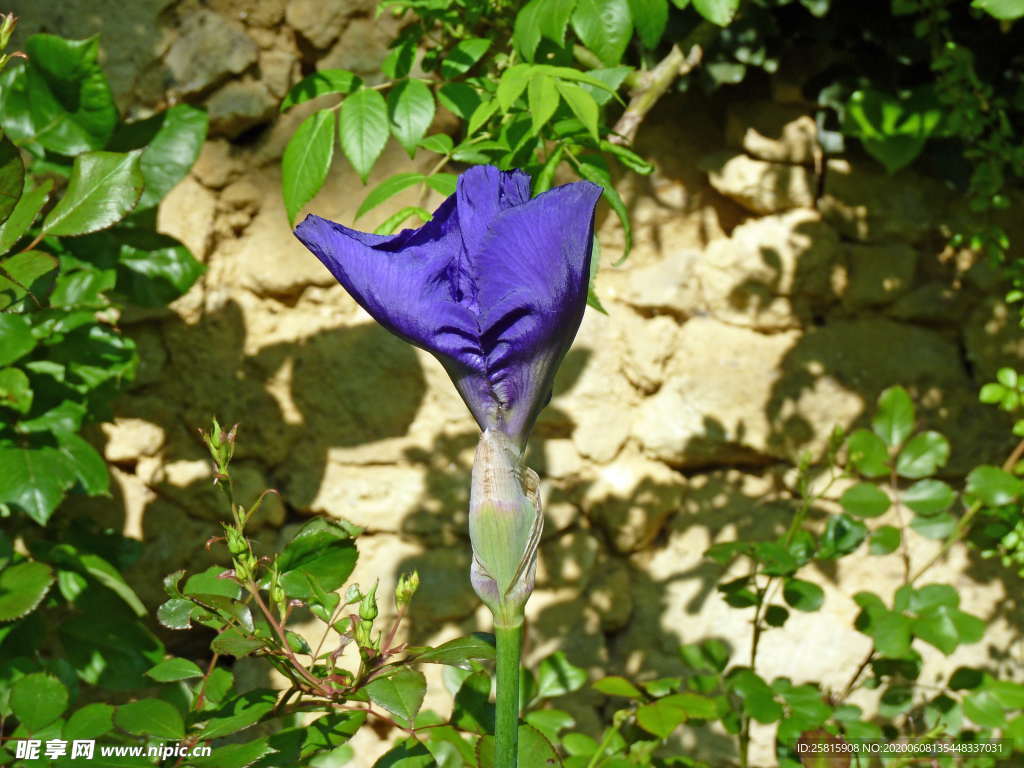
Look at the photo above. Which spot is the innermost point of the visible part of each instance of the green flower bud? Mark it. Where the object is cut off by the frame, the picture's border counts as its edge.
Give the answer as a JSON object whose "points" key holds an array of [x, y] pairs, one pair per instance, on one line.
{"points": [[505, 524], [368, 605], [408, 583]]}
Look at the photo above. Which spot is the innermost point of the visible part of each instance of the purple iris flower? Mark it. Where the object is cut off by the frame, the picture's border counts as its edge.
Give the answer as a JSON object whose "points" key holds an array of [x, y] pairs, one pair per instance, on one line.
{"points": [[494, 286]]}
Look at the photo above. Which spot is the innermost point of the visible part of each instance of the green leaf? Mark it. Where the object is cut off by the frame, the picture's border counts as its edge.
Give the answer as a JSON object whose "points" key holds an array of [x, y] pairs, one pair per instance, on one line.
{"points": [[150, 717], [720, 12], [171, 670], [649, 17], [400, 692], [983, 708], [234, 642], [171, 152], [66, 417], [23, 215], [1004, 10], [235, 755], [894, 419], [103, 188], [460, 99], [83, 288], [153, 269], [542, 97], [441, 143], [604, 26], [19, 272], [306, 161], [550, 721], [473, 709], [410, 111], [15, 390], [893, 128], [929, 497], [889, 629], [463, 56], [617, 686], [884, 540], [95, 567], [460, 651], [238, 714], [443, 183], [935, 626], [483, 112], [803, 595], [923, 455], [23, 587], [391, 186], [758, 698], [864, 500], [209, 582], [993, 486], [321, 550], [868, 453], [175, 613], [934, 527], [407, 754], [319, 84], [526, 31], [842, 535], [557, 677], [12, 178], [391, 223], [37, 700], [399, 62], [72, 107], [660, 718], [34, 479], [599, 175], [511, 86], [16, 338], [363, 127], [89, 722], [627, 157], [553, 18]]}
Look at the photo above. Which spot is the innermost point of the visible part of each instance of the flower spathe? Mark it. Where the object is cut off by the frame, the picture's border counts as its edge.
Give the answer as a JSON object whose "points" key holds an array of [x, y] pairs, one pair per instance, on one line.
{"points": [[494, 285]]}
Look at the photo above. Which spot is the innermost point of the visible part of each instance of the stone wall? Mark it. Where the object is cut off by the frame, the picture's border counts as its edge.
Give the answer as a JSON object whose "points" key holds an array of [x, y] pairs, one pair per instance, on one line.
{"points": [[771, 296]]}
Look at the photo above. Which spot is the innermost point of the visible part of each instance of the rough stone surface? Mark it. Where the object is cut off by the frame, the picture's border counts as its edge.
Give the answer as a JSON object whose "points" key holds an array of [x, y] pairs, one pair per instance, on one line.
{"points": [[762, 187], [362, 48], [209, 49], [993, 340], [878, 274], [771, 131], [131, 439], [319, 21], [239, 106], [187, 213]]}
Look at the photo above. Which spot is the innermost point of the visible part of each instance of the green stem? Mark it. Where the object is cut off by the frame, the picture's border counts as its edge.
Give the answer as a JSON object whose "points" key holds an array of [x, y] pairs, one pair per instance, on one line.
{"points": [[506, 730]]}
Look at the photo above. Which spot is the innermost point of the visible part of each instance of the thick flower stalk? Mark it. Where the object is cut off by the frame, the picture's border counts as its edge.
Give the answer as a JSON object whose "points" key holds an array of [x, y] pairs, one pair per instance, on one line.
{"points": [[494, 286]]}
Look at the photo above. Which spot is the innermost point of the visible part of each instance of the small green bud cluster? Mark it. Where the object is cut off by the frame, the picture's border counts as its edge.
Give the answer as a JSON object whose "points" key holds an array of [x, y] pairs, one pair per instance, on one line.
{"points": [[408, 583], [221, 445], [7, 24]]}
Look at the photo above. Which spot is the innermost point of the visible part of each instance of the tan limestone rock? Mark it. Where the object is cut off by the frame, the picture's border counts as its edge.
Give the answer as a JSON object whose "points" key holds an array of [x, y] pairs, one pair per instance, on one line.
{"points": [[131, 439], [319, 21], [771, 131], [187, 213], [209, 50], [762, 187]]}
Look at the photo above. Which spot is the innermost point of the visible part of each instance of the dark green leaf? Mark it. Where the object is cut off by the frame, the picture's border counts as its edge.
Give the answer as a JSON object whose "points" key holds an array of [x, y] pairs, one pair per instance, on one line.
{"points": [[103, 188], [894, 419], [89, 722], [15, 390], [12, 178], [19, 272], [154, 270], [238, 714], [868, 453], [90, 470], [557, 677], [150, 717], [172, 151], [649, 17], [233, 642], [410, 111], [66, 417], [993, 486], [22, 587], [407, 754], [170, 670], [884, 540], [604, 26], [23, 215], [627, 157], [775, 616], [209, 582], [320, 83], [473, 709], [321, 550], [34, 479], [363, 128], [889, 629], [929, 497], [83, 288], [463, 56], [923, 455], [459, 651], [37, 700], [16, 338], [71, 104], [935, 626], [935, 527], [175, 613], [758, 698], [459, 98], [598, 175], [306, 161], [865, 500], [842, 535], [660, 718], [391, 186], [399, 62], [617, 686], [399, 692], [693, 704], [803, 595], [720, 12], [234, 755], [983, 708]]}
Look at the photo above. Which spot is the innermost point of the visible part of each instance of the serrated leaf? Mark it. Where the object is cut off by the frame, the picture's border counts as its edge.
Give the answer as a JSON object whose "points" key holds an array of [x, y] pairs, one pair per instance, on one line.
{"points": [[241, 756], [16, 338], [23, 587], [176, 613], [400, 692], [460, 651], [463, 56], [649, 18], [473, 709], [23, 216], [460, 99], [391, 186], [864, 500], [410, 112], [321, 550], [150, 717], [542, 98], [19, 272], [171, 670], [526, 31], [172, 151], [363, 129], [34, 479], [319, 84], [103, 188], [399, 62], [89, 722], [604, 26], [514, 81], [238, 714], [483, 112], [306, 161], [720, 12], [12, 178], [922, 455], [37, 700], [894, 419]]}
